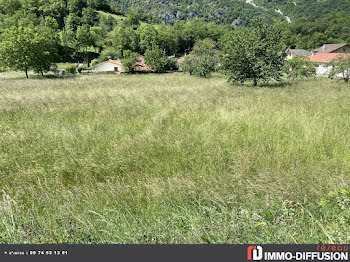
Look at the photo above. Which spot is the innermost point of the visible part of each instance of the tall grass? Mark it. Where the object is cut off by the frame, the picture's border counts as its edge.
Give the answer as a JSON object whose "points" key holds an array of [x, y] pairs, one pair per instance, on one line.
{"points": [[172, 159]]}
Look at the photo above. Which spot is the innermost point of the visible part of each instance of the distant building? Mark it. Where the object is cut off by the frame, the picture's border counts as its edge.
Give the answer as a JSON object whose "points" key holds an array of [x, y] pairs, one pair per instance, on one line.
{"points": [[110, 66], [299, 52], [141, 66], [116, 66], [332, 48], [322, 60]]}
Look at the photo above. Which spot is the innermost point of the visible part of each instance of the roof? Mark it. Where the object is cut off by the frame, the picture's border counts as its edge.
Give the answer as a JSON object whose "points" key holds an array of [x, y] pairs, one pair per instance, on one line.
{"points": [[116, 62], [180, 60], [326, 57], [300, 52], [328, 48], [141, 66]]}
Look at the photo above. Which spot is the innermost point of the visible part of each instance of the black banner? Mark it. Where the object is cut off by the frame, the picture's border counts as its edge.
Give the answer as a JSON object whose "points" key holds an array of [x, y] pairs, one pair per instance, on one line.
{"points": [[155, 253]]}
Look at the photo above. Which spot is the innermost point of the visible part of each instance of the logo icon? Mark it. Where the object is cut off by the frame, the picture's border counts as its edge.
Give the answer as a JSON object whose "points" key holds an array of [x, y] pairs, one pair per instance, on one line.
{"points": [[255, 253]]}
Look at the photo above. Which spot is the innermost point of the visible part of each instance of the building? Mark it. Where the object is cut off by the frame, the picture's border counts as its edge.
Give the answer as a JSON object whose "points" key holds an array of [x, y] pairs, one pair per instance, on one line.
{"points": [[141, 66], [110, 66], [297, 52], [322, 62], [116, 66], [332, 48]]}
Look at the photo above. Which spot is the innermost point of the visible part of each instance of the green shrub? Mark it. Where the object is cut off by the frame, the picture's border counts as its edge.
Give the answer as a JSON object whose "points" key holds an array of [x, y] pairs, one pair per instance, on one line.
{"points": [[82, 68], [199, 65], [94, 62], [202, 60], [71, 69], [341, 66], [156, 59], [129, 61], [299, 67], [109, 53]]}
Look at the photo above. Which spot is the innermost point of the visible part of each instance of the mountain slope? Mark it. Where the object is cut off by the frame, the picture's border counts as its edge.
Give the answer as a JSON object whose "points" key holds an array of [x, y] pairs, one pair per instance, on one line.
{"points": [[236, 11], [220, 11], [306, 8]]}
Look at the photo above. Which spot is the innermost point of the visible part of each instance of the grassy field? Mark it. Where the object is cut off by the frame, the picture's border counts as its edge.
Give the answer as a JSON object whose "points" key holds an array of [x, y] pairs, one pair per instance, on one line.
{"points": [[173, 159]]}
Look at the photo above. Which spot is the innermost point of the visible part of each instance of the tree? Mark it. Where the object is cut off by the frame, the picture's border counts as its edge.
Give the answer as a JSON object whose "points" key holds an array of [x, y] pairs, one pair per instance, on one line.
{"points": [[99, 4], [107, 23], [85, 40], [203, 58], [46, 40], [109, 53], [97, 37], [341, 68], [129, 61], [158, 61], [72, 22], [76, 6], [148, 36], [255, 53], [167, 39], [16, 49], [9, 6], [25, 48], [134, 18], [198, 66], [89, 16], [299, 67], [124, 37], [54, 8]]}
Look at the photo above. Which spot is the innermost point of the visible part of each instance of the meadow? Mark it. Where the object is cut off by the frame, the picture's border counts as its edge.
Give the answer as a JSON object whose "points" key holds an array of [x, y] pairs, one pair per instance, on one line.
{"points": [[173, 159]]}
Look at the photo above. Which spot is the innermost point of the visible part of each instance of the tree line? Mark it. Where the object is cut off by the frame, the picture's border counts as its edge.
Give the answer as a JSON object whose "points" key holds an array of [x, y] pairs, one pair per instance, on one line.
{"points": [[36, 34]]}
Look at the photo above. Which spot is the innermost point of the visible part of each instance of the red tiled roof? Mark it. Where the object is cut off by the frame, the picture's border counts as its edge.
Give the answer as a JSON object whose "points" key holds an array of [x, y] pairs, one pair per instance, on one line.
{"points": [[142, 68], [116, 62], [140, 65], [326, 57]]}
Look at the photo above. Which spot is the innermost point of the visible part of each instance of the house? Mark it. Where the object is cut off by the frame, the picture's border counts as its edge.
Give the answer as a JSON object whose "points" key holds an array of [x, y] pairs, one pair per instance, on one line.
{"points": [[322, 60], [299, 52], [141, 66], [116, 66], [110, 66], [332, 48]]}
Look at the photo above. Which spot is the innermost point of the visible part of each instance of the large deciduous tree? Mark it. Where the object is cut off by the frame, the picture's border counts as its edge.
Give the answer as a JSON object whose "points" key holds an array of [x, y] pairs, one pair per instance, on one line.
{"points": [[125, 37], [84, 40], [46, 40], [148, 36], [26, 48], [254, 54]]}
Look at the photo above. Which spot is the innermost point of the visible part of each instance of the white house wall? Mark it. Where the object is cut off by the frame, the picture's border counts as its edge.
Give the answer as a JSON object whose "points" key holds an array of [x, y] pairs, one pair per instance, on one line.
{"points": [[108, 67], [323, 70]]}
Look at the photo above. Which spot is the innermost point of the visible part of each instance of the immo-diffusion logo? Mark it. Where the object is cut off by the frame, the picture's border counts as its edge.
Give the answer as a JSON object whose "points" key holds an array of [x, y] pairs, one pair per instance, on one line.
{"points": [[255, 253], [332, 253]]}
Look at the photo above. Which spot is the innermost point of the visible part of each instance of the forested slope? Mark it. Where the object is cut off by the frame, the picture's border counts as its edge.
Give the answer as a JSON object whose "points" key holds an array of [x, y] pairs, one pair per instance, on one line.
{"points": [[236, 11]]}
